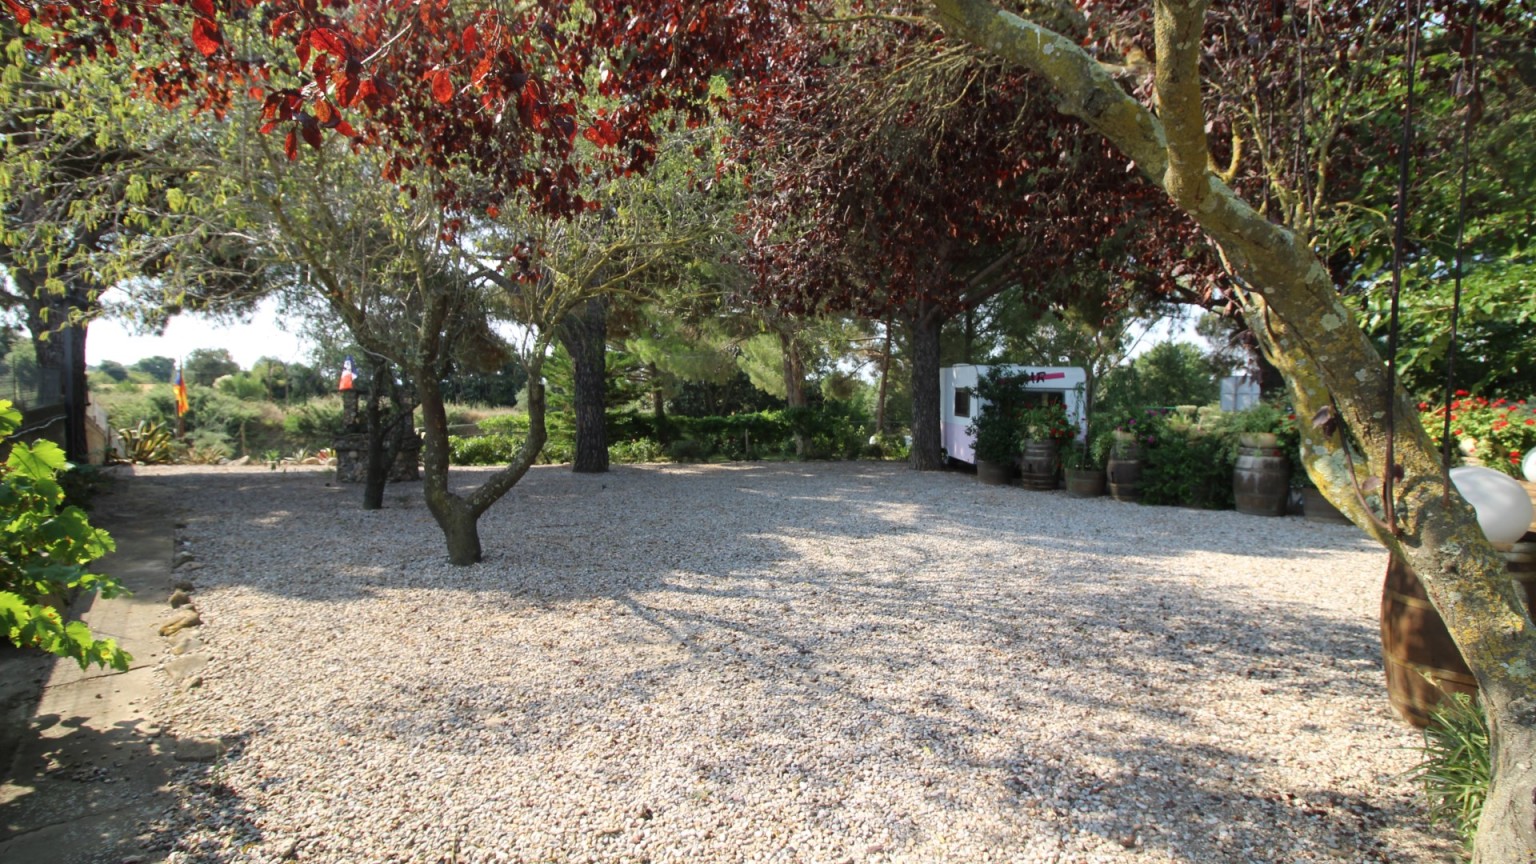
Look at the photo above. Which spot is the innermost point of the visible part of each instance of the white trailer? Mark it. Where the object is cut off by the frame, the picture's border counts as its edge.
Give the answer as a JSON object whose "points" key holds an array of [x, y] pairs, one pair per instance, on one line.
{"points": [[959, 405]]}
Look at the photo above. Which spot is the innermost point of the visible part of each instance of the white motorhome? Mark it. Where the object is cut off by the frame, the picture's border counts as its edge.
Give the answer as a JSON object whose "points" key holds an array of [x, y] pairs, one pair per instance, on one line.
{"points": [[959, 405]]}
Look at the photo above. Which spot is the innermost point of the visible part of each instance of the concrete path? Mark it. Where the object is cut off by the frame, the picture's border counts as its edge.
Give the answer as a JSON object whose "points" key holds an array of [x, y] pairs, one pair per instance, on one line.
{"points": [[87, 768]]}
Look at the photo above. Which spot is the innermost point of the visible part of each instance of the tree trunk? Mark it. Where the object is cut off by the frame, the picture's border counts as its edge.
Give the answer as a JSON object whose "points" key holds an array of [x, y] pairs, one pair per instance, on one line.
{"points": [[794, 385], [376, 470], [927, 438], [60, 349], [885, 375], [1334, 374], [968, 333], [658, 405], [458, 515], [385, 441], [76, 392], [584, 333]]}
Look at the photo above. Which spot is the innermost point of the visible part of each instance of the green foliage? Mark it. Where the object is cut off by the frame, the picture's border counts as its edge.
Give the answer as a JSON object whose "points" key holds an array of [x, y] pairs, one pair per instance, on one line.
{"points": [[1084, 457], [19, 370], [888, 446], [244, 386], [687, 450], [1045, 421], [1184, 464], [735, 395], [134, 405], [1455, 768], [636, 451], [504, 424], [1170, 373], [207, 365], [112, 369], [1498, 431], [493, 449], [81, 483], [1265, 416], [43, 552], [314, 424], [996, 424], [210, 455], [158, 369], [148, 444], [834, 430], [231, 417]]}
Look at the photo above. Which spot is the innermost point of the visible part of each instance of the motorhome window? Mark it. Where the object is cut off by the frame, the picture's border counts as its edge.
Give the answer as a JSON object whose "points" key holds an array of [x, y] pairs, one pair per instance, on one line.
{"points": [[962, 402], [1036, 398]]}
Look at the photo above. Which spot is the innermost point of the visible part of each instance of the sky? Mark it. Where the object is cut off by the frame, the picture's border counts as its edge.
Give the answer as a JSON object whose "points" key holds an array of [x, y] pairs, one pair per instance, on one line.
{"points": [[263, 336], [248, 342]]}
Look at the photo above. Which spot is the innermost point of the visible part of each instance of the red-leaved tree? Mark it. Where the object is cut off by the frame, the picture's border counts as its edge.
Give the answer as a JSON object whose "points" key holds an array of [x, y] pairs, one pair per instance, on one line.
{"points": [[900, 176]]}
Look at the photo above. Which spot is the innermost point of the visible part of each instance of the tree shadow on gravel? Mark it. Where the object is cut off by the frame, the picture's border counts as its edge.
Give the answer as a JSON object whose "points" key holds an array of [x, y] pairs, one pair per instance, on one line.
{"points": [[894, 618], [76, 793]]}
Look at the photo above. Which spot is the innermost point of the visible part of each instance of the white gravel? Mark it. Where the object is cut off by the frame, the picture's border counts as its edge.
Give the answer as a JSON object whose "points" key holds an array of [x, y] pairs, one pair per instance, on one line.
{"points": [[780, 662]]}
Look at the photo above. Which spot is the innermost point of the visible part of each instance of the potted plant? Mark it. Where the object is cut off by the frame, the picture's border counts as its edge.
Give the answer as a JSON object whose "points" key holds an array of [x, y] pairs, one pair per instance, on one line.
{"points": [[1042, 428], [1084, 469], [1261, 475], [995, 427], [1123, 470]]}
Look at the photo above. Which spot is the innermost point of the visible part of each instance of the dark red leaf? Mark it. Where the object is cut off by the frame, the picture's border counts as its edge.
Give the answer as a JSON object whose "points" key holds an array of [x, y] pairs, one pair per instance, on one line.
{"points": [[291, 146], [329, 41], [205, 35], [311, 132], [23, 14], [442, 85], [602, 134], [471, 39], [203, 8]]}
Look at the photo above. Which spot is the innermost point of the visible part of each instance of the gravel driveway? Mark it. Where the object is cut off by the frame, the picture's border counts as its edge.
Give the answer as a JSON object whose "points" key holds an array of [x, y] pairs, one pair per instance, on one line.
{"points": [[781, 662]]}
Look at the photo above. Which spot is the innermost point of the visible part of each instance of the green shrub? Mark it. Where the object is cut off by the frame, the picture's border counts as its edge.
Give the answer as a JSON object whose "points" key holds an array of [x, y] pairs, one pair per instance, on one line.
{"points": [[81, 483], [558, 450], [148, 444], [887, 446], [210, 455], [1186, 465], [834, 430], [127, 409], [315, 424], [1455, 768], [243, 386], [640, 450], [483, 449], [43, 553], [687, 450], [504, 424]]}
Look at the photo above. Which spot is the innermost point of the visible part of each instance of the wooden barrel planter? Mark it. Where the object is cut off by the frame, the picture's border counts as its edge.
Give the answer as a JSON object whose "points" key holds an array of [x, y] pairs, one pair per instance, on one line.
{"points": [[1420, 658], [1261, 479], [1040, 464], [1085, 482], [994, 473], [1124, 469]]}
